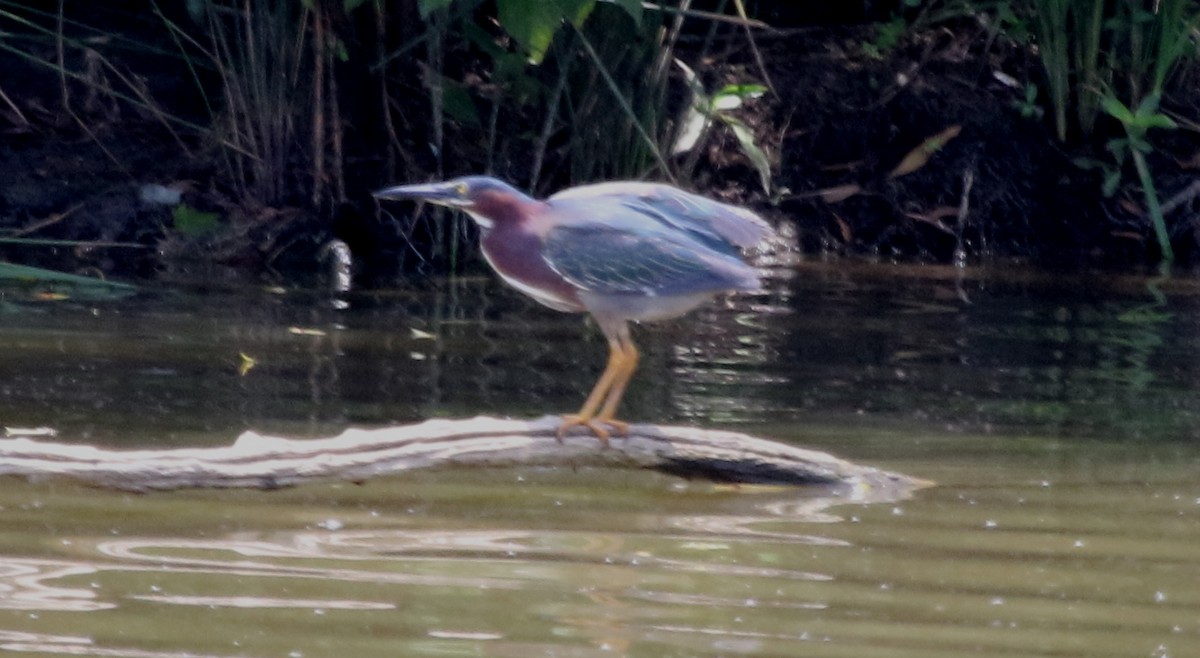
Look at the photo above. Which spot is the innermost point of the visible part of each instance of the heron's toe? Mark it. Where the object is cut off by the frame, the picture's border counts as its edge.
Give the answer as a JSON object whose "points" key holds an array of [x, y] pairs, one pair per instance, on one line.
{"points": [[619, 427], [575, 420]]}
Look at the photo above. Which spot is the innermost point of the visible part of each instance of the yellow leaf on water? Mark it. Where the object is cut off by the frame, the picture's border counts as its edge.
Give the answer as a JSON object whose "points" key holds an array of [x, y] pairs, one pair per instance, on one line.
{"points": [[30, 431], [920, 156], [246, 364]]}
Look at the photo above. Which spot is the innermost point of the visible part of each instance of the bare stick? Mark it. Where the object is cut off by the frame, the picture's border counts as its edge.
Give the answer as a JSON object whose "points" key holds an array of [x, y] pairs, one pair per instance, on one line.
{"points": [[758, 58], [13, 106], [256, 461], [715, 16], [48, 221], [624, 103], [1181, 197], [60, 52], [964, 208]]}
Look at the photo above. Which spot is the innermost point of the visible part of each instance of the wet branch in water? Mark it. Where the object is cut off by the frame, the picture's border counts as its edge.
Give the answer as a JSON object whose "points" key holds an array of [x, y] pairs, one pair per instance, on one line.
{"points": [[263, 462]]}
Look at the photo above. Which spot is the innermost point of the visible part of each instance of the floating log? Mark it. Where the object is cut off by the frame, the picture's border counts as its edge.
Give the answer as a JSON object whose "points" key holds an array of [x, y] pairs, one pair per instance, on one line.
{"points": [[265, 462]]}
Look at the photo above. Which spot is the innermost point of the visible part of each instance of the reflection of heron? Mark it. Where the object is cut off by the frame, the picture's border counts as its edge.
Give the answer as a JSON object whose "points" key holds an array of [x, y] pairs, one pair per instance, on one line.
{"points": [[620, 251]]}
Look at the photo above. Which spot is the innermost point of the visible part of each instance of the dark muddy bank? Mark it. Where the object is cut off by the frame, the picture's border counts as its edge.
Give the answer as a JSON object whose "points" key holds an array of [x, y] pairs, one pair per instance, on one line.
{"points": [[842, 115]]}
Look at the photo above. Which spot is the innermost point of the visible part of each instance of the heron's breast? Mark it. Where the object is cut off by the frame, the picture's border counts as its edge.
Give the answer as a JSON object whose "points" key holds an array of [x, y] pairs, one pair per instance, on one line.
{"points": [[516, 255]]}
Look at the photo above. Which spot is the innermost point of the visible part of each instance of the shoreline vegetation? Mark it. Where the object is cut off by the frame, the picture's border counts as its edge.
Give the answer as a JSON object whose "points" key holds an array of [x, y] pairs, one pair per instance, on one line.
{"points": [[251, 132]]}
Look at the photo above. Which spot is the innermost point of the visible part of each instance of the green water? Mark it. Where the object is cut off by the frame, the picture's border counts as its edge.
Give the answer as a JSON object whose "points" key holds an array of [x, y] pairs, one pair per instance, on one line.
{"points": [[1059, 415]]}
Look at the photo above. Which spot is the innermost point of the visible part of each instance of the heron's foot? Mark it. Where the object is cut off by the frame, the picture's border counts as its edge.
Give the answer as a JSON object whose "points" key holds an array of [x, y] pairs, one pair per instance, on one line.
{"points": [[596, 425], [619, 427]]}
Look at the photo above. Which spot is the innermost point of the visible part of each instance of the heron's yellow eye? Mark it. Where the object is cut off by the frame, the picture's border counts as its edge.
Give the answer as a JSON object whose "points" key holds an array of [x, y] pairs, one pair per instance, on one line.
{"points": [[461, 189]]}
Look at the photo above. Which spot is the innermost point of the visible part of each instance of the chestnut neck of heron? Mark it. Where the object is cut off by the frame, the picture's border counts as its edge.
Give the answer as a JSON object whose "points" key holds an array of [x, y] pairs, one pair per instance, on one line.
{"points": [[492, 209], [513, 227]]}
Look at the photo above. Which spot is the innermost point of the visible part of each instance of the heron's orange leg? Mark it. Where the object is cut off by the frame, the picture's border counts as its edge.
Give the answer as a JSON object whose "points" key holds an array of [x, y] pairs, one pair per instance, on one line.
{"points": [[628, 365], [600, 393]]}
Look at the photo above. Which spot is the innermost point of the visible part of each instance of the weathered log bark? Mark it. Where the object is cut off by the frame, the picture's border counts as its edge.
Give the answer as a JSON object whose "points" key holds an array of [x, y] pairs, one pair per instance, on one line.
{"points": [[256, 461]]}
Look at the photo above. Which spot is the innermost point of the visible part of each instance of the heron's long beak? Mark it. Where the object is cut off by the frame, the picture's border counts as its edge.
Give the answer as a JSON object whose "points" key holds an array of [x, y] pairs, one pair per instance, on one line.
{"points": [[446, 194]]}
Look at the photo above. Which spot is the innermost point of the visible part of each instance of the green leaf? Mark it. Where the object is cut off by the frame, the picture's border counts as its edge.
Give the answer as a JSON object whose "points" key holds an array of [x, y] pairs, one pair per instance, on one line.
{"points": [[510, 71], [25, 273], [37, 284], [576, 11], [726, 102], [695, 125], [350, 5], [482, 40], [194, 223], [1117, 148], [532, 23], [693, 82], [1117, 110], [1145, 316], [698, 114], [196, 9], [731, 97], [633, 8], [1111, 181], [508, 68], [750, 90], [458, 104], [340, 51], [1160, 121], [1148, 106], [757, 156], [427, 7]]}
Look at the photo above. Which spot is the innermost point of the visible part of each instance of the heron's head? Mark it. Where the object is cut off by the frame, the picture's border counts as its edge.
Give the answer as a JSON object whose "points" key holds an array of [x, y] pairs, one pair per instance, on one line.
{"points": [[486, 199]]}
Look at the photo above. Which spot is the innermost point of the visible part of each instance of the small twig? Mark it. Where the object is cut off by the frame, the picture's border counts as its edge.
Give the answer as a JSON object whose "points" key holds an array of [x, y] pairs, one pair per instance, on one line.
{"points": [[49, 221], [492, 129], [667, 49], [932, 219], [86, 244], [964, 207], [63, 72], [1181, 197], [319, 55], [624, 103], [337, 146], [708, 15], [543, 141], [13, 106], [758, 58], [960, 253], [389, 125], [95, 138], [712, 33], [179, 36], [148, 103], [60, 51]]}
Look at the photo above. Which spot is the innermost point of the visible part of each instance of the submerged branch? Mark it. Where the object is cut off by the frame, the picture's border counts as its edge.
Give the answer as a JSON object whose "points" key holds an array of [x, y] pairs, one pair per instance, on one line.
{"points": [[256, 461]]}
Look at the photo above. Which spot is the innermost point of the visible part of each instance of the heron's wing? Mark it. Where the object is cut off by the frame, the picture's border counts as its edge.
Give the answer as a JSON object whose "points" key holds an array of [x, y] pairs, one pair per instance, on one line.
{"points": [[719, 225], [603, 260]]}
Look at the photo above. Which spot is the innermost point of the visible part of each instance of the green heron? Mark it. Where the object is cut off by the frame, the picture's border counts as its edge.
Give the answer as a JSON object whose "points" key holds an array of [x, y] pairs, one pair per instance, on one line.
{"points": [[620, 251]]}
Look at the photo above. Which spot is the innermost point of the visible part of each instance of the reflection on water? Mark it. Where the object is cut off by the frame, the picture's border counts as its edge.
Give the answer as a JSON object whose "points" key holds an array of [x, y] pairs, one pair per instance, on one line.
{"points": [[1096, 560], [28, 584], [1054, 356], [1056, 413]]}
